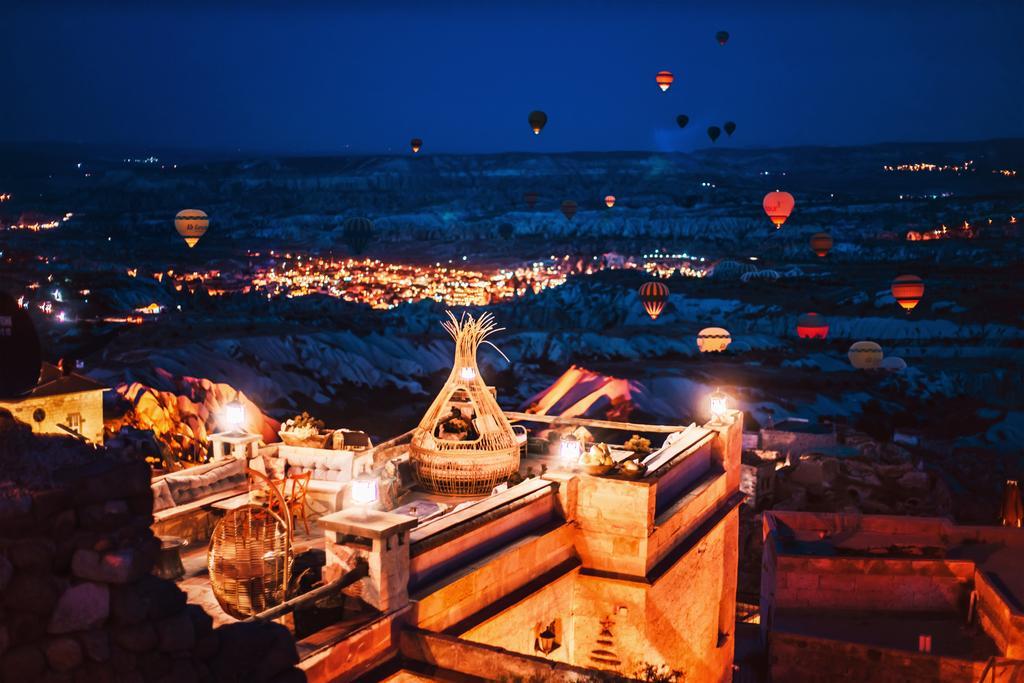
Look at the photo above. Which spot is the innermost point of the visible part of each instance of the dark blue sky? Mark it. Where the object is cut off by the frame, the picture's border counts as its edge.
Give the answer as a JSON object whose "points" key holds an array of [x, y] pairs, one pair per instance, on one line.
{"points": [[351, 76]]}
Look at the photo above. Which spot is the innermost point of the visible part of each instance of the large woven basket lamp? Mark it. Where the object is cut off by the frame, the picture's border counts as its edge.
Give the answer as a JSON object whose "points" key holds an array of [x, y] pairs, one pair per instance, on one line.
{"points": [[250, 557], [473, 465]]}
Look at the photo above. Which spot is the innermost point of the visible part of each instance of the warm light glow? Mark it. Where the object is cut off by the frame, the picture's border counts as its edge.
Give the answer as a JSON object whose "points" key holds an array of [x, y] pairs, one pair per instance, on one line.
{"points": [[234, 415], [569, 450], [718, 403], [467, 374], [365, 489]]}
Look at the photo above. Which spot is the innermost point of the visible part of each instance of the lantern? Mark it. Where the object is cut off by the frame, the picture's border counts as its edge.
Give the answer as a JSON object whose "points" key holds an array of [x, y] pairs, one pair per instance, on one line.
{"points": [[467, 374], [778, 205], [234, 416], [811, 326], [865, 355], [718, 404], [569, 450], [908, 290], [365, 490]]}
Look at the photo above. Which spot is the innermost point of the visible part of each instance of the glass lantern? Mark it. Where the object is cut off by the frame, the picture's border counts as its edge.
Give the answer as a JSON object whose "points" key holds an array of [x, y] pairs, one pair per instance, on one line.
{"points": [[569, 450], [718, 403]]}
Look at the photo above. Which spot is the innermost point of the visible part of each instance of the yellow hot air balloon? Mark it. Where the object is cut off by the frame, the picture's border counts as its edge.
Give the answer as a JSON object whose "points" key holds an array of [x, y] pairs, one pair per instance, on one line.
{"points": [[191, 224], [713, 339], [865, 355]]}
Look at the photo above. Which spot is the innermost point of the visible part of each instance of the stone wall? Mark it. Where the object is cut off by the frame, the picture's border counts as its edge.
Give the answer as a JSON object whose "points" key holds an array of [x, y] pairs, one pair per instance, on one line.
{"points": [[78, 600], [804, 659], [57, 408]]}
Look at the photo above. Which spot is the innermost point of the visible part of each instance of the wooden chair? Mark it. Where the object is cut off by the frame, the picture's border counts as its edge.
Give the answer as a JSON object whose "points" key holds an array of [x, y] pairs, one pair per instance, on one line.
{"points": [[296, 499]]}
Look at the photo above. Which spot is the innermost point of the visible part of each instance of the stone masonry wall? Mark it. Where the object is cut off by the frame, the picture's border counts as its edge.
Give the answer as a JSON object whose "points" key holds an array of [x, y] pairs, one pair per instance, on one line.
{"points": [[77, 600]]}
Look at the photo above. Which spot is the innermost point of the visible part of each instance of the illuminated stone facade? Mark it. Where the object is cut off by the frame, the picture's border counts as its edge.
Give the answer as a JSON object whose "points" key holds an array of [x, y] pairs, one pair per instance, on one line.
{"points": [[71, 400]]}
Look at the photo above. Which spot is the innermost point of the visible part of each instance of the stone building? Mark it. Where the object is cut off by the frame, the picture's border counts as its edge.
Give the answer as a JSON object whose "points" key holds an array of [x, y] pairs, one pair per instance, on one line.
{"points": [[888, 598], [62, 403], [796, 436]]}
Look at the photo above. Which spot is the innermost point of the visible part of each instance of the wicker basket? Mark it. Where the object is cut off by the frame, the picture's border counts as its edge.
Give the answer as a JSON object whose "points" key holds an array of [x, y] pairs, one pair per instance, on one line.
{"points": [[317, 441], [249, 559], [463, 472], [597, 470]]}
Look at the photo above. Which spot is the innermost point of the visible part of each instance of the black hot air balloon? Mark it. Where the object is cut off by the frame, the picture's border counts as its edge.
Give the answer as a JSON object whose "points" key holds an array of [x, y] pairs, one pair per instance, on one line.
{"points": [[21, 357], [714, 132], [357, 233], [729, 128], [682, 120], [415, 143], [531, 199], [722, 37], [506, 230], [568, 209], [538, 120]]}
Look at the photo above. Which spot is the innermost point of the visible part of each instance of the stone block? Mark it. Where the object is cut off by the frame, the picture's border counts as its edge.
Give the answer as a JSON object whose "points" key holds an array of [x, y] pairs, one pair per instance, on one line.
{"points": [[6, 572], [138, 638], [63, 654], [96, 644], [80, 607], [32, 593], [35, 555], [25, 663], [176, 633], [120, 566]]}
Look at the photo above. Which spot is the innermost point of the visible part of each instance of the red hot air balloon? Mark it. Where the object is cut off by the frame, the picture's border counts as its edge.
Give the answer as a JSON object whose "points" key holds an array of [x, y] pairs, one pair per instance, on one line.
{"points": [[908, 290], [531, 199], [654, 296], [811, 326], [664, 80], [538, 120], [821, 243], [778, 206], [416, 143], [568, 209], [609, 200], [722, 37]]}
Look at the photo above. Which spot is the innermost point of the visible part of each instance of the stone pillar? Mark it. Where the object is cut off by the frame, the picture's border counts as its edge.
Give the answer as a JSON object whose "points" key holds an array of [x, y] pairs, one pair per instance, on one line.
{"points": [[727, 448], [383, 539]]}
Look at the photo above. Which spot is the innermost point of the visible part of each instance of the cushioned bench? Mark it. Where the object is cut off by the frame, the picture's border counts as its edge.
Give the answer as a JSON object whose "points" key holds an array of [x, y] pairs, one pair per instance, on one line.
{"points": [[182, 500], [332, 470]]}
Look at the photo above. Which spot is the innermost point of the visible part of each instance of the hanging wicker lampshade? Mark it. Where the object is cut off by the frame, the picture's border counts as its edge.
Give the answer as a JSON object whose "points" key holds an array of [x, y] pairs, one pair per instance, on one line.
{"points": [[250, 557], [446, 458]]}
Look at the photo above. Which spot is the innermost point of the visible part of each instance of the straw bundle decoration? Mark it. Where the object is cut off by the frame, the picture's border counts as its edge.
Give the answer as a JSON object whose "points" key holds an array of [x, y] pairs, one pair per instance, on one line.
{"points": [[250, 557], [464, 445]]}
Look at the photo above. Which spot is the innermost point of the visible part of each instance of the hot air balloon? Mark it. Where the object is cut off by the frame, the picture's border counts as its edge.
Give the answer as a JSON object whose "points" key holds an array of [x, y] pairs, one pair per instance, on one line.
{"points": [[714, 132], [893, 364], [568, 209], [21, 356], [811, 326], [722, 37], [729, 127], [506, 230], [653, 295], [1011, 512], [416, 143], [713, 339], [538, 120], [682, 120], [531, 199], [357, 233], [821, 243], [778, 206], [865, 355], [664, 79], [191, 224], [609, 200], [908, 290]]}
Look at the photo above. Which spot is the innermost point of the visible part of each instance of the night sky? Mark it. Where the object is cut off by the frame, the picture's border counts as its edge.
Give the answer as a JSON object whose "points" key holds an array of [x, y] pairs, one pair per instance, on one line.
{"points": [[337, 77]]}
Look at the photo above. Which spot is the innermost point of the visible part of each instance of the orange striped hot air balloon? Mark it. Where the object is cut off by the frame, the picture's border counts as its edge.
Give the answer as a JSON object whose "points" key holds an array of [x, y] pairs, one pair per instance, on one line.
{"points": [[664, 80], [778, 205], [653, 295], [191, 224], [609, 200], [821, 243], [908, 290], [811, 326]]}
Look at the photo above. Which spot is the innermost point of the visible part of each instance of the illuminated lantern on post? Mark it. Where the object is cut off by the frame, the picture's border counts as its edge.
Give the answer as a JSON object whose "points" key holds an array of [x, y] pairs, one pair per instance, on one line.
{"points": [[653, 295], [811, 326], [537, 120], [908, 290], [365, 491], [609, 200], [718, 406], [713, 340], [569, 450], [778, 205], [865, 355], [191, 224], [821, 244], [416, 143], [568, 209], [664, 80]]}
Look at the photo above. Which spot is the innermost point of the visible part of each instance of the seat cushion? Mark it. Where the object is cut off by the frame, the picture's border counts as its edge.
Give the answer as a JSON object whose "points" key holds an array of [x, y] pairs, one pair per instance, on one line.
{"points": [[162, 498], [323, 486]]}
